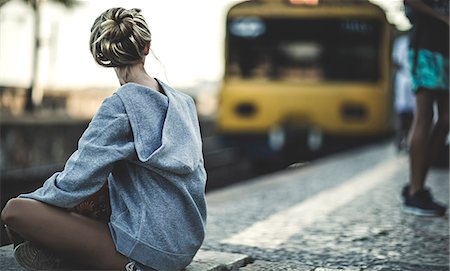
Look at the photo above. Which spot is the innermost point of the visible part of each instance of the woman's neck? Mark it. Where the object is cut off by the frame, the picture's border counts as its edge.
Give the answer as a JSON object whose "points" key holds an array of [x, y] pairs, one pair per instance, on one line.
{"points": [[136, 74]]}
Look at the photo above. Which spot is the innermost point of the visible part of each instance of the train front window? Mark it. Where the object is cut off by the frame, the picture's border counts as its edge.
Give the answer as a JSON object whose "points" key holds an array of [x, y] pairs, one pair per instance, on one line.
{"points": [[287, 48]]}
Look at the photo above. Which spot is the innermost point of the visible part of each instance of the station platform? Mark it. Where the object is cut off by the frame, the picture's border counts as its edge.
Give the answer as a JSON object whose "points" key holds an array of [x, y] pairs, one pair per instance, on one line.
{"points": [[343, 212]]}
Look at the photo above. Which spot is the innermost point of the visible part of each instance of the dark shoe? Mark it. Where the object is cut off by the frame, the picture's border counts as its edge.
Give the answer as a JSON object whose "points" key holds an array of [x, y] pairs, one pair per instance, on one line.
{"points": [[31, 257], [405, 193], [422, 204]]}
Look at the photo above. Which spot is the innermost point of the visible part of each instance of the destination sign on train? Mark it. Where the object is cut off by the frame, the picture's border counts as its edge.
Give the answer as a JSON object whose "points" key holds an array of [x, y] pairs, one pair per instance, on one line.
{"points": [[304, 2]]}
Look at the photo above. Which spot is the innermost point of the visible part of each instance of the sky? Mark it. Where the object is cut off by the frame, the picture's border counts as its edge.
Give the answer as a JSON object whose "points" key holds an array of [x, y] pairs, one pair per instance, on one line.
{"points": [[187, 41]]}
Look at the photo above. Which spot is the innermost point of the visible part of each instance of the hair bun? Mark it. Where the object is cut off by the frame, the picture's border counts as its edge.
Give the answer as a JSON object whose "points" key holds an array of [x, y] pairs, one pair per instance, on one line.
{"points": [[122, 24], [118, 37]]}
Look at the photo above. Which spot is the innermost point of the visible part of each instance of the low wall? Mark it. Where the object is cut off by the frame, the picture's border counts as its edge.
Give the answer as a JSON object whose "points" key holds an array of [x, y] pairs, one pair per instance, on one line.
{"points": [[32, 149], [31, 143]]}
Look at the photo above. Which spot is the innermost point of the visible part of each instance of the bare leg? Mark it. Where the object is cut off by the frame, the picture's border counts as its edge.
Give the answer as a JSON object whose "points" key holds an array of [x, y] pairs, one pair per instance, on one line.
{"points": [[440, 131], [13, 236], [72, 236], [404, 121], [420, 139]]}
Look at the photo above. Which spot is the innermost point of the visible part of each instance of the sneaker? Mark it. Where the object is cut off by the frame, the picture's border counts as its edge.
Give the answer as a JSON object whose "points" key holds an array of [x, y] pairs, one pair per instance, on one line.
{"points": [[131, 266], [134, 266], [405, 193], [31, 257], [422, 204]]}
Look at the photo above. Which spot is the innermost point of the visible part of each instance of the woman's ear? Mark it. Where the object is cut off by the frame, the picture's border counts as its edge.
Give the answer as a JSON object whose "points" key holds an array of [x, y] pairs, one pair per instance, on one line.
{"points": [[147, 49]]}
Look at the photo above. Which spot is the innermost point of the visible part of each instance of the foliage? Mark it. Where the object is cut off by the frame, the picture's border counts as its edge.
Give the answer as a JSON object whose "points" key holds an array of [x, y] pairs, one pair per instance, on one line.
{"points": [[66, 3]]}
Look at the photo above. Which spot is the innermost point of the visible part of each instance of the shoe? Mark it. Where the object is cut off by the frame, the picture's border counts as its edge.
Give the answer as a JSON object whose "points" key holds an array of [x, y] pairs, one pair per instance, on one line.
{"points": [[31, 257], [405, 193], [133, 266], [422, 204]]}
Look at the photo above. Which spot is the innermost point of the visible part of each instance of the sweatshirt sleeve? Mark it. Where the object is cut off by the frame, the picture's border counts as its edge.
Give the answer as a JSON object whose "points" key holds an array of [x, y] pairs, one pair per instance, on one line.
{"points": [[107, 139]]}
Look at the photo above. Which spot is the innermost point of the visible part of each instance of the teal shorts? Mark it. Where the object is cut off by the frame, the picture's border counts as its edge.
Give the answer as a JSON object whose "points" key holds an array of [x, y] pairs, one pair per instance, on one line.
{"points": [[429, 70]]}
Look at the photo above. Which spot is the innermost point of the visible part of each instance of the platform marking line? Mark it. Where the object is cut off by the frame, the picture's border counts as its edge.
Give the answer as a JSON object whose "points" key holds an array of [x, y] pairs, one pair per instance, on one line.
{"points": [[279, 227]]}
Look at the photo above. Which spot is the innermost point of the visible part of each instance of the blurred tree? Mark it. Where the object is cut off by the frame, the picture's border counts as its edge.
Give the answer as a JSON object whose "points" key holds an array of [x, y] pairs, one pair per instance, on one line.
{"points": [[36, 6]]}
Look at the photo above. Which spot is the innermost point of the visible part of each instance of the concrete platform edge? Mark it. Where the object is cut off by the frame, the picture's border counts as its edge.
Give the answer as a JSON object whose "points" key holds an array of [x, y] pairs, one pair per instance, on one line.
{"points": [[205, 260]]}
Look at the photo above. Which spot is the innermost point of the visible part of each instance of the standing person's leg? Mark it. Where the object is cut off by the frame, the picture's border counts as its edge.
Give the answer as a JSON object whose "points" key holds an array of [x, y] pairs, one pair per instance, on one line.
{"points": [[441, 128], [69, 235], [403, 128], [419, 140], [418, 199]]}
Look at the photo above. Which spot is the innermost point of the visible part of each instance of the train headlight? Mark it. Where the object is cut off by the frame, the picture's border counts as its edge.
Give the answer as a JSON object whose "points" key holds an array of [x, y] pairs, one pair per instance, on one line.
{"points": [[277, 138], [314, 139], [248, 27]]}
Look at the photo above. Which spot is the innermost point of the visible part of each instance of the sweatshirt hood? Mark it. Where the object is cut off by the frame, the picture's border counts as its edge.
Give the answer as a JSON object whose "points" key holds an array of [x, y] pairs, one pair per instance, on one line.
{"points": [[165, 127]]}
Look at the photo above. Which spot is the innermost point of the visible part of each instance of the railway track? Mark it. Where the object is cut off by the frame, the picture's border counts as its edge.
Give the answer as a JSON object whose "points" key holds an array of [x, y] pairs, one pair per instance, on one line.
{"points": [[224, 165]]}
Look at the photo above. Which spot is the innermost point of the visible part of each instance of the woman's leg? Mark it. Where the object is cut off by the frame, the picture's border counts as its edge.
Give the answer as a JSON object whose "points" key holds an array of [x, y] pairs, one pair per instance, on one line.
{"points": [[13, 236], [420, 140], [67, 234], [440, 130]]}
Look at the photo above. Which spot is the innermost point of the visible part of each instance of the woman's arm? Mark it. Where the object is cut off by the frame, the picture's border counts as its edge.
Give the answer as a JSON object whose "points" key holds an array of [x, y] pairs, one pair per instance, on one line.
{"points": [[108, 139], [420, 6]]}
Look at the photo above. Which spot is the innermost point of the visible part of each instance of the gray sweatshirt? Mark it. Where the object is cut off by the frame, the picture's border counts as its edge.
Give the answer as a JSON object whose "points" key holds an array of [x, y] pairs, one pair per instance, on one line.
{"points": [[148, 147]]}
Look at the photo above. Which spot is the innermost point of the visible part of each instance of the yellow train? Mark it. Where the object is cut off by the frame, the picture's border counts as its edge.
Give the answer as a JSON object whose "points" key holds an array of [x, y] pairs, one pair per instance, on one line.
{"points": [[299, 70]]}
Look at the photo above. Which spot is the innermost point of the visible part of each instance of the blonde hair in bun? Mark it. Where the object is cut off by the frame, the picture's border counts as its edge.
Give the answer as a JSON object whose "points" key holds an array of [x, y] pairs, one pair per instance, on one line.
{"points": [[118, 37]]}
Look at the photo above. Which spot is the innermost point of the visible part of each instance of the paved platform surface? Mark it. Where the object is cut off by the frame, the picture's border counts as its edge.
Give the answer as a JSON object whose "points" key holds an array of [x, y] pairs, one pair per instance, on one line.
{"points": [[339, 213]]}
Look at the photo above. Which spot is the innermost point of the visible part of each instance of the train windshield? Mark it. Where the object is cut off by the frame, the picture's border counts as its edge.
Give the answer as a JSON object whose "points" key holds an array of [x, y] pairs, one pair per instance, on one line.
{"points": [[335, 49]]}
